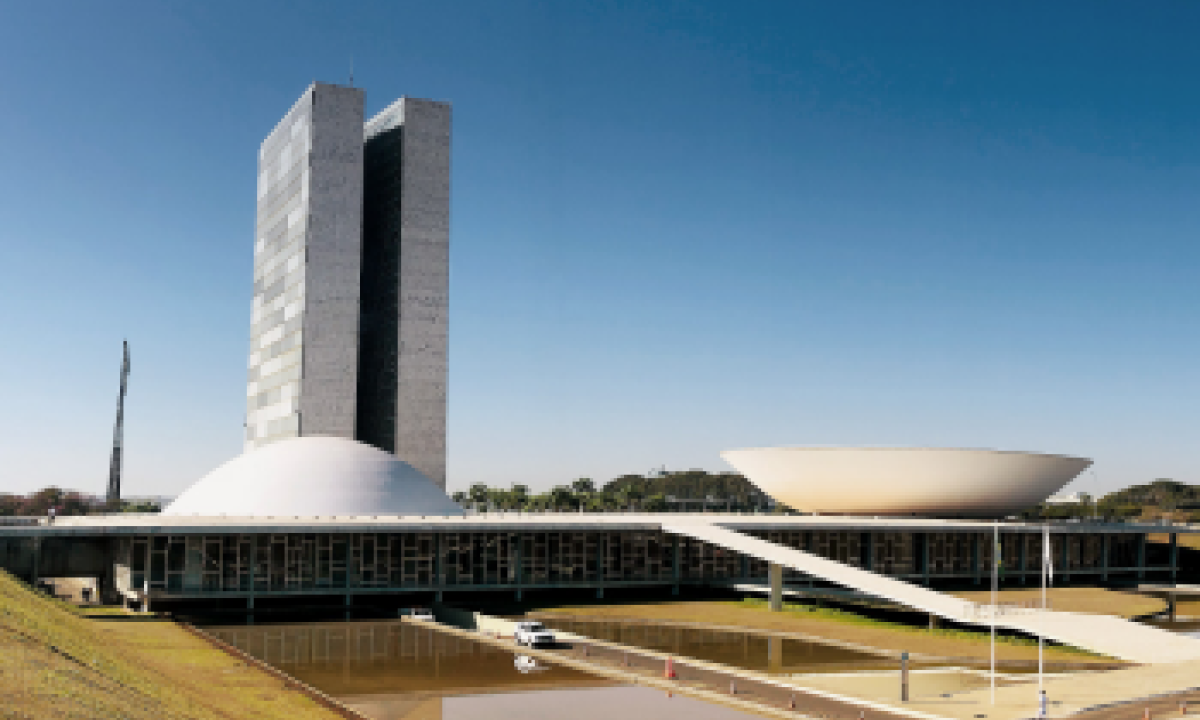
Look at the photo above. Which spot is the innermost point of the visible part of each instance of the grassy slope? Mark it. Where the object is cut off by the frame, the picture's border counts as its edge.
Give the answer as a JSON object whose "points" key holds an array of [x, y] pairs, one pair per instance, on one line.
{"points": [[833, 624], [56, 663]]}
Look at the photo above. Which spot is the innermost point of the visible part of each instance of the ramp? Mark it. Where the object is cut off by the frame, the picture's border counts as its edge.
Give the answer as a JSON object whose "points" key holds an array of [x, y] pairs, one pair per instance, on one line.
{"points": [[1099, 633]]}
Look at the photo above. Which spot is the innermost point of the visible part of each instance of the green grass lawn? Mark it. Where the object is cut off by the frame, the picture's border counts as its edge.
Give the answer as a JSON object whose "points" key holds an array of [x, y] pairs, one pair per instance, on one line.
{"points": [[54, 662]]}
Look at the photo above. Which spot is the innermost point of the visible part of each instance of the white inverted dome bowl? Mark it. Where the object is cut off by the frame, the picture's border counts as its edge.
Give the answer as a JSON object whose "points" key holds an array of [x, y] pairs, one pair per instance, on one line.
{"points": [[928, 482], [314, 476]]}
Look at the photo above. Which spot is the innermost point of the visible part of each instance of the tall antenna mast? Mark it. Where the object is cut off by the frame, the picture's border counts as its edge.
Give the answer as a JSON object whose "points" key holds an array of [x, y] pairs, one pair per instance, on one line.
{"points": [[114, 467]]}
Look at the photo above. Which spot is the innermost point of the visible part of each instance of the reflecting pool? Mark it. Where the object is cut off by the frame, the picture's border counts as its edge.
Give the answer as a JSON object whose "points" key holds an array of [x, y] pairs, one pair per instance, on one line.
{"points": [[749, 650], [393, 669]]}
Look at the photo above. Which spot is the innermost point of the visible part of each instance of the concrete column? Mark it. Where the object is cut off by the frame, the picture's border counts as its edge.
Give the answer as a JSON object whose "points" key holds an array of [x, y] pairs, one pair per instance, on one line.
{"points": [[438, 581], [601, 551], [1141, 569], [868, 543], [925, 558], [1023, 559], [520, 573], [1065, 560], [250, 610], [775, 575], [976, 558], [1174, 561], [1104, 557], [677, 565], [1171, 597], [37, 562], [349, 603]]}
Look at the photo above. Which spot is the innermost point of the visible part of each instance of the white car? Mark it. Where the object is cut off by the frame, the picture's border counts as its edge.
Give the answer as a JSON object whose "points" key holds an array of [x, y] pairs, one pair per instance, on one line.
{"points": [[419, 614], [533, 633]]}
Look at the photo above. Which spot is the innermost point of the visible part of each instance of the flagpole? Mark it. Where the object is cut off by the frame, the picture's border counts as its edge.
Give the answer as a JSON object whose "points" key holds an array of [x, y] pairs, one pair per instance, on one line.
{"points": [[995, 583]]}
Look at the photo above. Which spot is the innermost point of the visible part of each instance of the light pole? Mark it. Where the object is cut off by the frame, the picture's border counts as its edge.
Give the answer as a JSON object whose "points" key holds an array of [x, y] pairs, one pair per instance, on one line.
{"points": [[995, 589], [1045, 565]]}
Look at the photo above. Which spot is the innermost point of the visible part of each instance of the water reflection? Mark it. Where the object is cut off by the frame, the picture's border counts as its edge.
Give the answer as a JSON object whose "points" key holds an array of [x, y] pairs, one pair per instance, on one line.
{"points": [[393, 670], [750, 650], [364, 658]]}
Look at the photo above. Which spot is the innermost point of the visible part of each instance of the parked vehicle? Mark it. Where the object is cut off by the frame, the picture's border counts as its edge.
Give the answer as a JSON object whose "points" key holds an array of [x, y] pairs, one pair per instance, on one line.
{"points": [[418, 613], [533, 633]]}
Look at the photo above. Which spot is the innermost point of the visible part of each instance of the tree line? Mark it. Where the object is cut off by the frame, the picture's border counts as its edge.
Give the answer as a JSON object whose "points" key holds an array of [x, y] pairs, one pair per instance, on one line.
{"points": [[687, 491], [64, 502]]}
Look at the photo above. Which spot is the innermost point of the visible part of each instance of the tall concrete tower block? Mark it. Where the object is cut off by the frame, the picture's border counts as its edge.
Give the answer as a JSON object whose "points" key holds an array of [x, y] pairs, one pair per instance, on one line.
{"points": [[349, 330], [405, 284], [303, 369]]}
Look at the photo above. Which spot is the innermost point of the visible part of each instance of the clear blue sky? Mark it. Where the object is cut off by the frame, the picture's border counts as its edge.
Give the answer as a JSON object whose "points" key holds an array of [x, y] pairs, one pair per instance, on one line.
{"points": [[678, 227]]}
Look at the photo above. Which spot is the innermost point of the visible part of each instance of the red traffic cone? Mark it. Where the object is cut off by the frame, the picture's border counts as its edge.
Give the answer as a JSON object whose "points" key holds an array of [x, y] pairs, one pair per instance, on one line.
{"points": [[669, 670]]}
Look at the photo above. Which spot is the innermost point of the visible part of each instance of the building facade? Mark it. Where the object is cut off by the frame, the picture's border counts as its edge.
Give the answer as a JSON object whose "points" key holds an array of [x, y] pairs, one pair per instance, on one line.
{"points": [[351, 268]]}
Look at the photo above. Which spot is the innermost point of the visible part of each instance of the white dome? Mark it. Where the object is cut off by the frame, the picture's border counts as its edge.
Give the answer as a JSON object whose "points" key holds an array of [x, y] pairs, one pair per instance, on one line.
{"points": [[906, 481], [314, 476]]}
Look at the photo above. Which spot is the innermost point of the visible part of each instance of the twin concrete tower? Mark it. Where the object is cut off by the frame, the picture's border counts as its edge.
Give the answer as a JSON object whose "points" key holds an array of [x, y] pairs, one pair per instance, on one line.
{"points": [[349, 326]]}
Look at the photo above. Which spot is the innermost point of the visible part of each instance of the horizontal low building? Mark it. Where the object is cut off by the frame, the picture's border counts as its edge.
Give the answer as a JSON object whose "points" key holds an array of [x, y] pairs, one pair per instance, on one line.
{"points": [[312, 517]]}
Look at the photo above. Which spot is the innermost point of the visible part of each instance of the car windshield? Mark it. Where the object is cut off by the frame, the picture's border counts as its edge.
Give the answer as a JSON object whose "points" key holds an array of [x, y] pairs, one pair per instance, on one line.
{"points": [[534, 626]]}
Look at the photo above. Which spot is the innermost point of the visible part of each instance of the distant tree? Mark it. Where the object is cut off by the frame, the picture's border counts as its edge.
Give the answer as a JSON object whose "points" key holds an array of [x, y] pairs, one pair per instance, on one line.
{"points": [[583, 486], [561, 498], [655, 503], [478, 494]]}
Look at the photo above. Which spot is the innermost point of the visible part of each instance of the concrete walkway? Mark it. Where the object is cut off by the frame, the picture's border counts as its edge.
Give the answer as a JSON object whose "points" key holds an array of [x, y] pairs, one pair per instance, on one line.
{"points": [[1104, 634], [1069, 694]]}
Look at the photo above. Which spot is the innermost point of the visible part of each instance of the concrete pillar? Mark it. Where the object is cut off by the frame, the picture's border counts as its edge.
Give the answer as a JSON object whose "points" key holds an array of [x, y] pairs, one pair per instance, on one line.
{"points": [[1171, 597], [349, 603], [1023, 556], [868, 542], [977, 558], [925, 558], [1174, 559], [1104, 557], [36, 570], [601, 551], [519, 540], [1141, 569], [677, 564], [775, 575], [1065, 560], [250, 610], [438, 580]]}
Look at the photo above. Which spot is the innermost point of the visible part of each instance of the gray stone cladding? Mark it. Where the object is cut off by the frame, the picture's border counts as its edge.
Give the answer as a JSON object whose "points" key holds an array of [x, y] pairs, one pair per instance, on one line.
{"points": [[349, 333], [407, 233], [334, 254]]}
